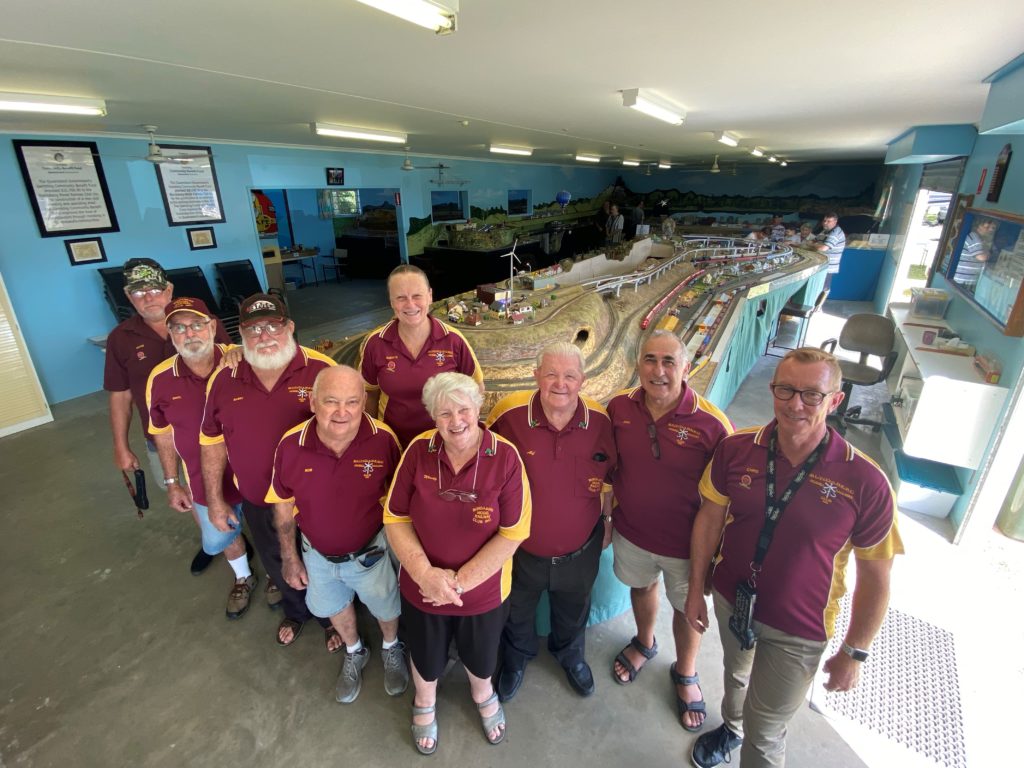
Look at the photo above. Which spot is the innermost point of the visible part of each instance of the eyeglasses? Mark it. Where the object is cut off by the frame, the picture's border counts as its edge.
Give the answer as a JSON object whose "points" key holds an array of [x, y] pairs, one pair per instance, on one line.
{"points": [[809, 396], [196, 327], [652, 432], [255, 331], [143, 292], [453, 494]]}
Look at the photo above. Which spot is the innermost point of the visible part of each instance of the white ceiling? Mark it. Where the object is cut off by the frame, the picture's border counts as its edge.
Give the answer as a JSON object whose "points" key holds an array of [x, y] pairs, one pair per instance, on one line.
{"points": [[806, 84]]}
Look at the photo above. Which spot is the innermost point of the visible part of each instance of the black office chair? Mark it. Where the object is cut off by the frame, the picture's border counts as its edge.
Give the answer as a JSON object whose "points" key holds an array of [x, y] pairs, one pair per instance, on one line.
{"points": [[338, 263], [801, 312], [238, 281], [191, 281], [113, 292], [869, 335]]}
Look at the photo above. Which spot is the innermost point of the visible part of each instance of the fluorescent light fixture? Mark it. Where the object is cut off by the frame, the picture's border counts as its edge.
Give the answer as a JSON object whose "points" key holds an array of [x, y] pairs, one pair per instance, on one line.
{"points": [[436, 16], [59, 105], [664, 166], [756, 152], [363, 134], [644, 101], [631, 163], [726, 138], [773, 159], [783, 164], [588, 159], [502, 149]]}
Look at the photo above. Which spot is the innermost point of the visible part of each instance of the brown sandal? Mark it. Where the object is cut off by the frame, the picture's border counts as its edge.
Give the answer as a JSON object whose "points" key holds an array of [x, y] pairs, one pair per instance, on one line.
{"points": [[294, 626], [329, 634]]}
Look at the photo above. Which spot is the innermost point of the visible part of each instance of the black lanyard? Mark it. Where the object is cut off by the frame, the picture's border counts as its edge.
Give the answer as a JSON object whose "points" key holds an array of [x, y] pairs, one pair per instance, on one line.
{"points": [[774, 508]]}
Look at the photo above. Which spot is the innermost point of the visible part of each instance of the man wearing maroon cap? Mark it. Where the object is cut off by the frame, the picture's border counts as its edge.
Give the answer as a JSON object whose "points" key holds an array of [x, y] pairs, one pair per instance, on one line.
{"points": [[567, 446], [665, 434], [175, 396], [134, 347], [784, 507], [330, 476], [248, 408]]}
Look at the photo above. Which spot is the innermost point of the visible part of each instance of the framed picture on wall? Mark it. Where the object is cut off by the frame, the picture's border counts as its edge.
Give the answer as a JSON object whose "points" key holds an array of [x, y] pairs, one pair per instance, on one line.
{"points": [[66, 186], [188, 185], [85, 250], [335, 177], [951, 231], [201, 238]]}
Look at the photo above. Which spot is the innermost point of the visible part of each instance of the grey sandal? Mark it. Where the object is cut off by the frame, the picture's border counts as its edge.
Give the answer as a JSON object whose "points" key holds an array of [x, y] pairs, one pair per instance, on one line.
{"points": [[428, 731], [682, 707], [490, 722]]}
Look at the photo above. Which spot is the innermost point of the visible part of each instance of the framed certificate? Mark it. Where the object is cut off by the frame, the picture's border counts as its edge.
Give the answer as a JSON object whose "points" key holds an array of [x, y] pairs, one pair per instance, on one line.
{"points": [[189, 188], [66, 186]]}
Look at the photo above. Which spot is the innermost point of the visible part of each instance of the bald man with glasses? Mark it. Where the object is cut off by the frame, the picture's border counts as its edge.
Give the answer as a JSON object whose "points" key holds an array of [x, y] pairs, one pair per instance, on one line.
{"points": [[665, 434]]}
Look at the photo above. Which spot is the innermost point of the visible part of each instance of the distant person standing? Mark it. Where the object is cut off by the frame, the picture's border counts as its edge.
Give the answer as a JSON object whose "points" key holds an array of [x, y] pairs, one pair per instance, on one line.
{"points": [[613, 227], [832, 242], [778, 229], [974, 254], [638, 216]]}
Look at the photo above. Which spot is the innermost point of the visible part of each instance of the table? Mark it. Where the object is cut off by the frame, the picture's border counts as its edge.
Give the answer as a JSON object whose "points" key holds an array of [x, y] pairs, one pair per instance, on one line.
{"points": [[306, 260]]}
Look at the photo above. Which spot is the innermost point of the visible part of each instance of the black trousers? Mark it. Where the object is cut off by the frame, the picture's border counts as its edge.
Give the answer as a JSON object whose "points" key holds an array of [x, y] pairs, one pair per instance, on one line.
{"points": [[568, 585], [260, 520]]}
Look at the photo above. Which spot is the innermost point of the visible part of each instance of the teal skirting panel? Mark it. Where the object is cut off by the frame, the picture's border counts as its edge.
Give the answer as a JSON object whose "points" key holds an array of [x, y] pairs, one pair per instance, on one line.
{"points": [[609, 599], [750, 335]]}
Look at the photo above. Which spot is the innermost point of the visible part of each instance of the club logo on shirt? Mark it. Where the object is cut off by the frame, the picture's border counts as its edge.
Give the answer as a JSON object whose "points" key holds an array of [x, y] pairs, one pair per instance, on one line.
{"points": [[682, 433], [440, 356], [745, 482], [828, 493], [141, 355], [367, 466], [391, 366], [301, 392], [594, 484], [829, 489], [482, 515]]}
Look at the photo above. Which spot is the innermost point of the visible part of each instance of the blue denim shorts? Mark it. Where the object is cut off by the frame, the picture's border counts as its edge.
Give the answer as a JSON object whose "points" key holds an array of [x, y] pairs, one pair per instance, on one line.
{"points": [[214, 541], [332, 586]]}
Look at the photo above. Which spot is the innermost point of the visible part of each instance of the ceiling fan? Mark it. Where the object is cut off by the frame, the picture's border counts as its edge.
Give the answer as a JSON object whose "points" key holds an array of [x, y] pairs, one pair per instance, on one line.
{"points": [[156, 154], [441, 179]]}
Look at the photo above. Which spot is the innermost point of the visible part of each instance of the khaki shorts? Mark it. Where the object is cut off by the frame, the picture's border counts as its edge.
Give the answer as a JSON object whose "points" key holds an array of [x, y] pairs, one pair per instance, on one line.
{"points": [[639, 569]]}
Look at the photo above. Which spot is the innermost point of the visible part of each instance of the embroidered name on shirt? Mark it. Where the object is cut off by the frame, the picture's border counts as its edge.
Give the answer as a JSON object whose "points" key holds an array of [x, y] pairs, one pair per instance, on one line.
{"points": [[175, 397], [482, 515], [594, 484], [236, 399], [308, 469]]}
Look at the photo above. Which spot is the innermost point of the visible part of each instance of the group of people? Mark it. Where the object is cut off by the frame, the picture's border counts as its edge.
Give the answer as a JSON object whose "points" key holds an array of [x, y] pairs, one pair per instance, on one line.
{"points": [[831, 240], [340, 473]]}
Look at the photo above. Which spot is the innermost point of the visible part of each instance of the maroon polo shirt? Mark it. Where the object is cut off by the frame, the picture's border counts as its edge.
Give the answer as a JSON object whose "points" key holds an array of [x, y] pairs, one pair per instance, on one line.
{"points": [[452, 532], [845, 503], [568, 468], [133, 350], [249, 420], [175, 398], [658, 498], [387, 365], [338, 499]]}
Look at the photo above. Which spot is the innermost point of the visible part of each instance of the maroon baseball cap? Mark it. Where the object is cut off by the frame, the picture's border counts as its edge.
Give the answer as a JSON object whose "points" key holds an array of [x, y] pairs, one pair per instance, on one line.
{"points": [[186, 304], [261, 305]]}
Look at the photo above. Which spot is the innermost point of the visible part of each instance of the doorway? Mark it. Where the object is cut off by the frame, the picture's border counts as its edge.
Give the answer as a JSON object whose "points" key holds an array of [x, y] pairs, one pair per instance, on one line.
{"points": [[922, 240]]}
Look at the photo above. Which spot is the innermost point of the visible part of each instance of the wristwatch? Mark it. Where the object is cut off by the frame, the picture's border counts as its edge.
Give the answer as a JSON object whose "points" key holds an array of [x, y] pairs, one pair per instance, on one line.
{"points": [[170, 480], [855, 653]]}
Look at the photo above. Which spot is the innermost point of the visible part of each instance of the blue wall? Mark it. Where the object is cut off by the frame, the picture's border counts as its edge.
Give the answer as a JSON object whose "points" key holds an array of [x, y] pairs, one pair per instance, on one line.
{"points": [[59, 306]]}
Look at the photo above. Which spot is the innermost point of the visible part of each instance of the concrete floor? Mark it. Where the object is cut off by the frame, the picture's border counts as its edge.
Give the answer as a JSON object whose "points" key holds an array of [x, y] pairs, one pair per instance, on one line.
{"points": [[114, 655]]}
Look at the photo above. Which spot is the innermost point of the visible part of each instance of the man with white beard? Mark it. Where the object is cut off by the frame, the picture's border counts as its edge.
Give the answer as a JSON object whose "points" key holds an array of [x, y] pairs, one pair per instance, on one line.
{"points": [[247, 410], [175, 397]]}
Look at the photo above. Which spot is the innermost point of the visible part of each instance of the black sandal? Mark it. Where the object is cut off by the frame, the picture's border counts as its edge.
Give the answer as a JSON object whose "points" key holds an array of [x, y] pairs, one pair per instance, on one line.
{"points": [[682, 707], [647, 653]]}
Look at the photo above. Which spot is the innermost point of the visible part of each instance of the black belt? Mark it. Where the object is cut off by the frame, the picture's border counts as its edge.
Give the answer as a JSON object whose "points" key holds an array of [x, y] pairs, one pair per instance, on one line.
{"points": [[573, 555], [351, 555]]}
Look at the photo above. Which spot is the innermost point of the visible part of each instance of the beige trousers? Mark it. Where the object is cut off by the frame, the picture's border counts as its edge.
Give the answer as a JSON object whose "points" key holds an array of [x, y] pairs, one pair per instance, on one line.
{"points": [[764, 686]]}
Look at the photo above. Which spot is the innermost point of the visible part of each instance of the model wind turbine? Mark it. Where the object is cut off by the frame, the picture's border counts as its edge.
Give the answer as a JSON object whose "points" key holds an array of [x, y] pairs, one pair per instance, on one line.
{"points": [[512, 261]]}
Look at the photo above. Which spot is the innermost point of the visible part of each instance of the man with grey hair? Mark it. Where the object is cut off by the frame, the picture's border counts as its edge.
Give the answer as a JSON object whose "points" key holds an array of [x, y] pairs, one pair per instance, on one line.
{"points": [[665, 434], [566, 442], [330, 474], [248, 408]]}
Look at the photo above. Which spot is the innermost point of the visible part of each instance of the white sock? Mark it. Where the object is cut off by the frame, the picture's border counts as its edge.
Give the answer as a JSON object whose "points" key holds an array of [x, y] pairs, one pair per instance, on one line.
{"points": [[354, 648], [240, 565], [388, 646]]}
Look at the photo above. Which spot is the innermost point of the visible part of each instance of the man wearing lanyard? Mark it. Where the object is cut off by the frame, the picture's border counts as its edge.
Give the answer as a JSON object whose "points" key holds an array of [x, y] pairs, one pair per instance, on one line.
{"points": [[799, 499]]}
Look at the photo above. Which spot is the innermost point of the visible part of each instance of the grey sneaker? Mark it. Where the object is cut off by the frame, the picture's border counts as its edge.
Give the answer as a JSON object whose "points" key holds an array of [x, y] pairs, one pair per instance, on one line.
{"points": [[396, 670], [350, 681]]}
